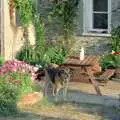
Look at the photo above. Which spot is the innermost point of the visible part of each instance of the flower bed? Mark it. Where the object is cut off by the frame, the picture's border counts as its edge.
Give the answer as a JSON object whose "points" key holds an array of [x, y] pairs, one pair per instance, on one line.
{"points": [[16, 65], [15, 80]]}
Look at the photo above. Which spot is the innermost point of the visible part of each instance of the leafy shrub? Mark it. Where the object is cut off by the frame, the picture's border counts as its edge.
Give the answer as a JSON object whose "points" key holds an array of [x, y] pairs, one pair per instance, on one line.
{"points": [[110, 61], [55, 55], [115, 39], [27, 54], [12, 86], [113, 60], [40, 45], [1, 60], [8, 97], [34, 54]]}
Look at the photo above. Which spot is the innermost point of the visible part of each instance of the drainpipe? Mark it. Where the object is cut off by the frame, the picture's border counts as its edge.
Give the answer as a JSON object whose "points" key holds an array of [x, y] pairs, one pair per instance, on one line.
{"points": [[2, 28]]}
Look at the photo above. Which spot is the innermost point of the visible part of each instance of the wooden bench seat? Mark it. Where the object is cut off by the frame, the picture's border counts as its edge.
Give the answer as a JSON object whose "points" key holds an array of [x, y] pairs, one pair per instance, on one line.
{"points": [[106, 75]]}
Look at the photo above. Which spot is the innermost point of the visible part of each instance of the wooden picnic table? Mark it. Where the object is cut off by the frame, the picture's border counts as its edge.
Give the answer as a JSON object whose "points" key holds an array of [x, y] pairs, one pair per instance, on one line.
{"points": [[85, 66]]}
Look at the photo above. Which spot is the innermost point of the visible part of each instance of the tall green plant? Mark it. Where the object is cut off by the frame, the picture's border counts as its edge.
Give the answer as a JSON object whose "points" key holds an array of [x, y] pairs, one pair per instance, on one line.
{"points": [[115, 39], [27, 54], [28, 14], [40, 45], [1, 60], [66, 12], [25, 11]]}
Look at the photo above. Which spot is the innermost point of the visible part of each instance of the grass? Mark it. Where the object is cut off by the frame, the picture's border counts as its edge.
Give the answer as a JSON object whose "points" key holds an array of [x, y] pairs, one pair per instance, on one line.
{"points": [[45, 110]]}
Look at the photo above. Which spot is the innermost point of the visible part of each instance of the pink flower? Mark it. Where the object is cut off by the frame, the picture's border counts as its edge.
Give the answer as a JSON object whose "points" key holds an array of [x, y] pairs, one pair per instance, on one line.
{"points": [[16, 65]]}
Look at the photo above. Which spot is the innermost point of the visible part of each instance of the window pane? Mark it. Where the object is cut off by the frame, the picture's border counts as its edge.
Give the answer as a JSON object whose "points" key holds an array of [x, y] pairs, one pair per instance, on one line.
{"points": [[100, 21], [100, 5]]}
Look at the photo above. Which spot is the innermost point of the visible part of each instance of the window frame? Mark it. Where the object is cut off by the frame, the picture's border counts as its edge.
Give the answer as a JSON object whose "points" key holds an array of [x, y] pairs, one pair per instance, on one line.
{"points": [[88, 13]]}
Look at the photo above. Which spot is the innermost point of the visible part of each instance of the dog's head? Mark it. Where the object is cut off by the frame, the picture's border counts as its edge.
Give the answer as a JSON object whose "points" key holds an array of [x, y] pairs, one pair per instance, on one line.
{"points": [[40, 74]]}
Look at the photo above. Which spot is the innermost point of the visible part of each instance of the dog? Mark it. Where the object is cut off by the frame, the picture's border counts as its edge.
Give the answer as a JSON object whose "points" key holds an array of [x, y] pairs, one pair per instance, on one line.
{"points": [[58, 77]]}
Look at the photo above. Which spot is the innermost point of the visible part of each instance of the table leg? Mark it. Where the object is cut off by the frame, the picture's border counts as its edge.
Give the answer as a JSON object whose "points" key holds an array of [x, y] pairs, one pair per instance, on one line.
{"points": [[93, 81]]}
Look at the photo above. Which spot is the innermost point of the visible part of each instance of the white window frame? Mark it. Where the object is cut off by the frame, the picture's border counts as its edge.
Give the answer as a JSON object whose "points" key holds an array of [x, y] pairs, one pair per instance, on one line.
{"points": [[88, 19]]}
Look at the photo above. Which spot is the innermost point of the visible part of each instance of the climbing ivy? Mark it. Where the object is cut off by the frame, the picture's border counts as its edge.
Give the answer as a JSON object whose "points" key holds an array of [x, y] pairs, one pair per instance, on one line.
{"points": [[28, 14], [65, 11], [25, 11]]}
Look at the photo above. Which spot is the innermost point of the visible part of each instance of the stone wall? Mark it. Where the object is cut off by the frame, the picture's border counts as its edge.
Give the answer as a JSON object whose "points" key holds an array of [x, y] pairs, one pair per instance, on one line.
{"points": [[115, 13], [93, 45]]}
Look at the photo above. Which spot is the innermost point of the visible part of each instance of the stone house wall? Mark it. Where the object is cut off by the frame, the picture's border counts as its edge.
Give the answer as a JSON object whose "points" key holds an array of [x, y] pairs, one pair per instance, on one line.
{"points": [[115, 13], [13, 35], [94, 45]]}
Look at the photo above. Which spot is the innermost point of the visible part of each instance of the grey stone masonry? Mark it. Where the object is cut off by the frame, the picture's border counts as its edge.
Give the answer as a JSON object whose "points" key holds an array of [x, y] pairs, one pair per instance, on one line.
{"points": [[115, 18], [93, 45]]}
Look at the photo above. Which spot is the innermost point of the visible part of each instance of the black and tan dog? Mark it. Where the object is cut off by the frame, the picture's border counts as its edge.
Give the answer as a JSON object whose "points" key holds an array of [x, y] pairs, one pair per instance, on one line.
{"points": [[59, 77]]}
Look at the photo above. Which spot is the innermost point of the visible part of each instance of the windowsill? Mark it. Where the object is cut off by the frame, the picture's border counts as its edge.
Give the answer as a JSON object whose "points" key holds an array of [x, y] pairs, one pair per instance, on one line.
{"points": [[97, 34]]}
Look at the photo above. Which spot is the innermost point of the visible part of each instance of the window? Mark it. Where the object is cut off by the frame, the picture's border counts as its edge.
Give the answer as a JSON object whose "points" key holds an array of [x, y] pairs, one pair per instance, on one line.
{"points": [[97, 16]]}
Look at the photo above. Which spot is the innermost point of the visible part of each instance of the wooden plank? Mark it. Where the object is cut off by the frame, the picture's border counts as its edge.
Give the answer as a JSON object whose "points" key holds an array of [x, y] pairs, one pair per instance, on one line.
{"points": [[84, 62], [94, 82], [106, 75], [88, 61], [92, 61]]}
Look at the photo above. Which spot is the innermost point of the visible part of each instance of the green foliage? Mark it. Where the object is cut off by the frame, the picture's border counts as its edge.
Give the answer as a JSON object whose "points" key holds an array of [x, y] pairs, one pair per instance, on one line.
{"points": [[65, 11], [55, 54], [1, 60], [27, 54], [12, 86], [39, 54], [31, 54], [40, 45], [115, 39], [8, 97], [25, 11], [110, 61], [28, 13]]}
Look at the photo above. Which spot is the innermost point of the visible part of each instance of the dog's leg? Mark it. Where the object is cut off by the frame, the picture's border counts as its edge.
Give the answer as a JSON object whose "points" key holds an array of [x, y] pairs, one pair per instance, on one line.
{"points": [[56, 94], [47, 82], [65, 90], [64, 93], [46, 88], [53, 90]]}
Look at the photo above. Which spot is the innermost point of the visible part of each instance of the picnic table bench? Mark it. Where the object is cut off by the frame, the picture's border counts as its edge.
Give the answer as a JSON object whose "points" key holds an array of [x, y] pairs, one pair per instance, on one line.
{"points": [[106, 75], [85, 66]]}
